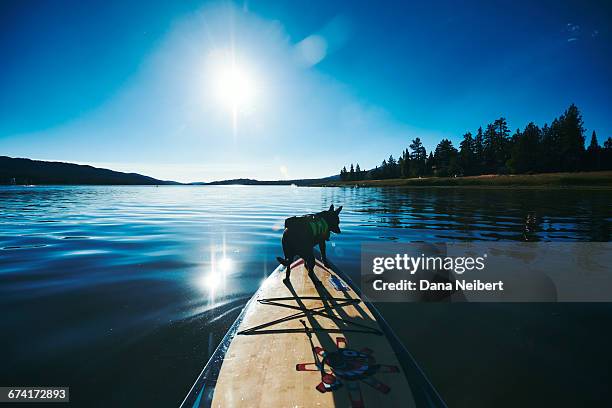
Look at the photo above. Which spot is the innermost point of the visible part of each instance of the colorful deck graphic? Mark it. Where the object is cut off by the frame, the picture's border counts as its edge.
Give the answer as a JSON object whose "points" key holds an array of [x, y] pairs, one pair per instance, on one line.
{"points": [[348, 367]]}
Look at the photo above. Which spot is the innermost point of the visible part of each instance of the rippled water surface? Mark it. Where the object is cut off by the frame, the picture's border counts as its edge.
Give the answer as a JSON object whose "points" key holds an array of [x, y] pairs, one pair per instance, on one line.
{"points": [[123, 292]]}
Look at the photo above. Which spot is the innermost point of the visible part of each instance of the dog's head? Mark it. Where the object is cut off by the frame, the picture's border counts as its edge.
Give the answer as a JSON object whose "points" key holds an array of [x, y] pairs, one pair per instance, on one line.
{"points": [[332, 218]]}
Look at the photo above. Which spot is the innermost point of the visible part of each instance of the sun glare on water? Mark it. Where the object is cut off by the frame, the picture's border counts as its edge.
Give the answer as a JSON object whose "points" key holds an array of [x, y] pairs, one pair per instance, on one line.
{"points": [[225, 264], [216, 277]]}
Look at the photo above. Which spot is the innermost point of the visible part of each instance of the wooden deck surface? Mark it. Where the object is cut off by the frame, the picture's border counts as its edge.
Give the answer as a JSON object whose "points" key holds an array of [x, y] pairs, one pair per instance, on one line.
{"points": [[260, 367]]}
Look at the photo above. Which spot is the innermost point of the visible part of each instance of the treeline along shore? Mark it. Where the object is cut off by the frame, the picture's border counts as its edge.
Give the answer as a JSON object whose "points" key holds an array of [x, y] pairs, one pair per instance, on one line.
{"points": [[596, 179], [493, 152]]}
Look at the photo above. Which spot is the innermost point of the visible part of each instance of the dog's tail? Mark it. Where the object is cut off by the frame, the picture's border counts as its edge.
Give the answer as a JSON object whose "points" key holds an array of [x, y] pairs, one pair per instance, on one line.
{"points": [[284, 262]]}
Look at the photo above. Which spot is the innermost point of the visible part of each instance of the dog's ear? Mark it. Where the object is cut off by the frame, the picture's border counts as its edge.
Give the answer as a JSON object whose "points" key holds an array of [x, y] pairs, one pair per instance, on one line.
{"points": [[331, 207], [338, 210]]}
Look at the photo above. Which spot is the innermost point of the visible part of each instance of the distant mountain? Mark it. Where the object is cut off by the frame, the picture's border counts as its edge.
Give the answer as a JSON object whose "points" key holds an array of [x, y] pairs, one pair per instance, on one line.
{"points": [[26, 171], [252, 182]]}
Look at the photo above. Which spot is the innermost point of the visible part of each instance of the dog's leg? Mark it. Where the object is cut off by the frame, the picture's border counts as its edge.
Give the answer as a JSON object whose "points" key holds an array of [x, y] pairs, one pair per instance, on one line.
{"points": [[288, 255], [322, 248], [309, 260], [287, 272]]}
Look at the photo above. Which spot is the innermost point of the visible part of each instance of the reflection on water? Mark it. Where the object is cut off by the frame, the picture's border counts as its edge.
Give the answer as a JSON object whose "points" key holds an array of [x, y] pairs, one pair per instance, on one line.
{"points": [[134, 286]]}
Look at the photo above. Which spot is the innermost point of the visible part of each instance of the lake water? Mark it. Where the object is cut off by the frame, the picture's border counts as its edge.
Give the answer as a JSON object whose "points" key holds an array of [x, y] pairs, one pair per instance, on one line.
{"points": [[123, 292]]}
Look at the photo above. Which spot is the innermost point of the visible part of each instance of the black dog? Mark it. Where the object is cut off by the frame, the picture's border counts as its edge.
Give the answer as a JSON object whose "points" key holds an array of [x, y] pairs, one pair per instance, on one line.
{"points": [[302, 233]]}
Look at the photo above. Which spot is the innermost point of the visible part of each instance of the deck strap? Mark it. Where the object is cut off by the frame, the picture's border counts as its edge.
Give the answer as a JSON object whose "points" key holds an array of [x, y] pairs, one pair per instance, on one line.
{"points": [[309, 313]]}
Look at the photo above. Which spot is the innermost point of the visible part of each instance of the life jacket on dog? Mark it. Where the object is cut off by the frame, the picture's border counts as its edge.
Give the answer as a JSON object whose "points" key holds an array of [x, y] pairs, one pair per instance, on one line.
{"points": [[319, 230]]}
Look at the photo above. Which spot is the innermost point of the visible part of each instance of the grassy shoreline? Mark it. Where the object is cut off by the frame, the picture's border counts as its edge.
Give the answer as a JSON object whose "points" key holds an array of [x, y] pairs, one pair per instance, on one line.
{"points": [[581, 179]]}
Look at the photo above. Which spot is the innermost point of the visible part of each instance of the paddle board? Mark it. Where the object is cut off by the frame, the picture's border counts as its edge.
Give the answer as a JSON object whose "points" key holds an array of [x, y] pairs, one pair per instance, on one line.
{"points": [[312, 343]]}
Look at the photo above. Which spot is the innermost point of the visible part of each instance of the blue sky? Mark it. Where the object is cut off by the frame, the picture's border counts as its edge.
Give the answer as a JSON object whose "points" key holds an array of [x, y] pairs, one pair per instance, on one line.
{"points": [[142, 86]]}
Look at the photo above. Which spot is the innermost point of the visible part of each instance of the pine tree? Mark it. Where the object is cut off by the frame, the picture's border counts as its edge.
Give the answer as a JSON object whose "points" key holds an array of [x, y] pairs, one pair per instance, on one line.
{"points": [[489, 144], [343, 174], [446, 159], [502, 145], [525, 150], [479, 152], [352, 173], [606, 155], [593, 154], [391, 167], [417, 157], [357, 172], [571, 139], [429, 164], [404, 164], [467, 154], [550, 154], [384, 169]]}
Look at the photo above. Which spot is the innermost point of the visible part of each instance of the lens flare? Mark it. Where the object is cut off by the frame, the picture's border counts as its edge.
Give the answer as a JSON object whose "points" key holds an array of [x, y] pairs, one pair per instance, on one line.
{"points": [[225, 264], [212, 280]]}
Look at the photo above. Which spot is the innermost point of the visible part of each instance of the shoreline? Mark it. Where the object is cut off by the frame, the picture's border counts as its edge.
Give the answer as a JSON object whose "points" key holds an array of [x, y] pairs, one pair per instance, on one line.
{"points": [[599, 179]]}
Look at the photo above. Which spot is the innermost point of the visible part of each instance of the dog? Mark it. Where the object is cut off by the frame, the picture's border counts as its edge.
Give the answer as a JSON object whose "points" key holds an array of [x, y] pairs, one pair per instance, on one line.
{"points": [[303, 233]]}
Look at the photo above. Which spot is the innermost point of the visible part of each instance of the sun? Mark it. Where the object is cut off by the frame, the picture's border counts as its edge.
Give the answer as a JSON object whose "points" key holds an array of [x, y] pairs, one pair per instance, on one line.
{"points": [[232, 81], [234, 87]]}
